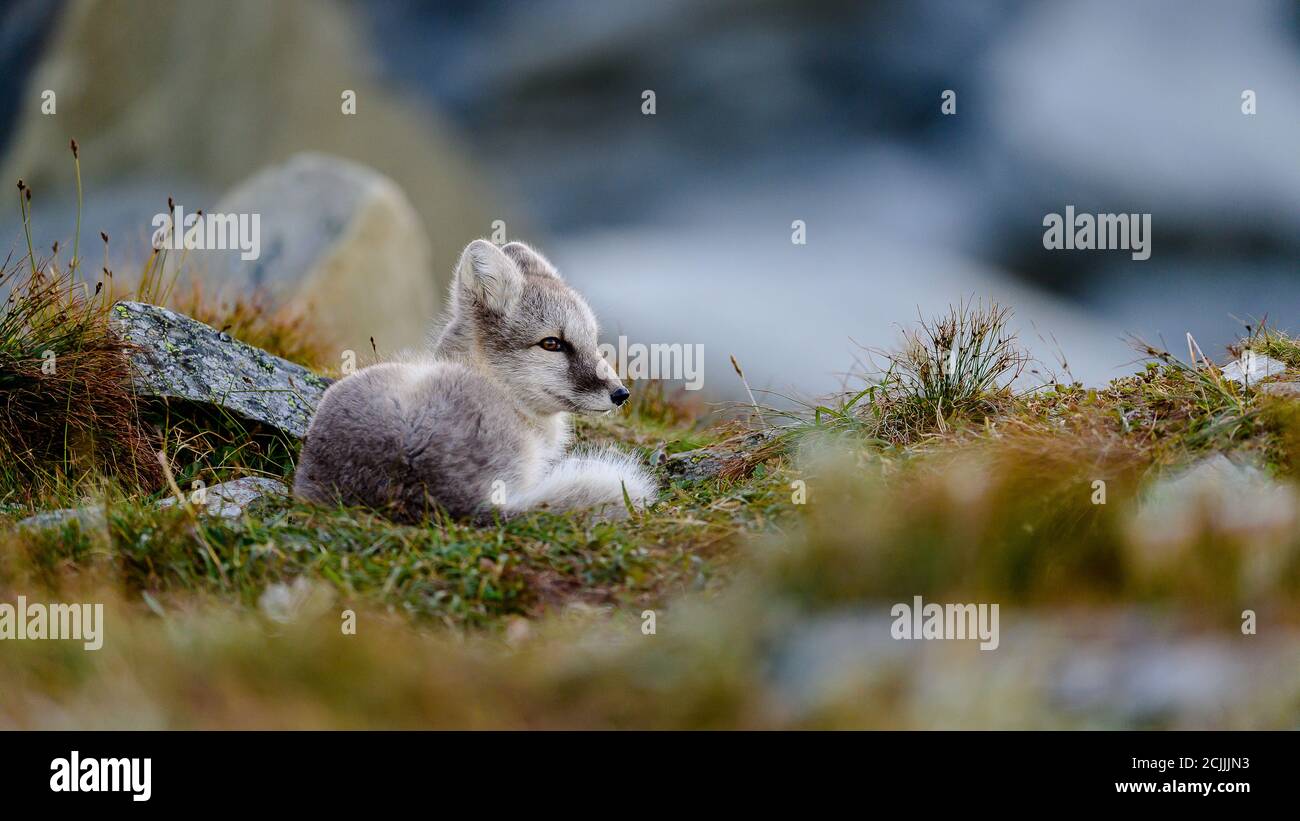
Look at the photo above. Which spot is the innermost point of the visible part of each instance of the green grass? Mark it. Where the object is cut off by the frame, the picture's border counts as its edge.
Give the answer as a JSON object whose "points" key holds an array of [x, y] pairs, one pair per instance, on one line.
{"points": [[447, 572]]}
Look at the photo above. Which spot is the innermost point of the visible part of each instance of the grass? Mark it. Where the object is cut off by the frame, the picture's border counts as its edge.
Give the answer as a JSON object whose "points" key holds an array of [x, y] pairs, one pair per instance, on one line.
{"points": [[960, 379], [537, 622], [943, 475], [452, 573], [68, 418], [949, 372], [961, 365], [449, 572]]}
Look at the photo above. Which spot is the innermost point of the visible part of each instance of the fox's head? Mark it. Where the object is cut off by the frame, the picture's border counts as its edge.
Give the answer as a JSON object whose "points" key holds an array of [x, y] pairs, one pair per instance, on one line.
{"points": [[513, 315]]}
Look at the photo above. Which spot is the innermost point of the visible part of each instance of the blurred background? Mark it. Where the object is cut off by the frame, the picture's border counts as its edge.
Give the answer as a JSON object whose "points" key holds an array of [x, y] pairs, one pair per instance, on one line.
{"points": [[678, 224]]}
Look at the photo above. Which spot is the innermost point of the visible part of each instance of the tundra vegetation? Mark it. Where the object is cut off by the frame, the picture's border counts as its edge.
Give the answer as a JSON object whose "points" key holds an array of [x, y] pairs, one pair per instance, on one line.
{"points": [[957, 470]]}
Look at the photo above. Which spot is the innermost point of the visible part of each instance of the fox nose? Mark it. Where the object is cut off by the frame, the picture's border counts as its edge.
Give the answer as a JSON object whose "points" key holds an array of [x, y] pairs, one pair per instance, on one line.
{"points": [[619, 396]]}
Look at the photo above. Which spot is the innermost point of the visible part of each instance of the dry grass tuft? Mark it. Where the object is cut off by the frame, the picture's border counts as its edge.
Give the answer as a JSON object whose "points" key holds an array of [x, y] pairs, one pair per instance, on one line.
{"points": [[949, 373], [68, 411], [284, 330]]}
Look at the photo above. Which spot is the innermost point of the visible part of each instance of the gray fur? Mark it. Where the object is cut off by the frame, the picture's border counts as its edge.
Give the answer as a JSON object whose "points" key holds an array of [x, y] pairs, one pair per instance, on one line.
{"points": [[489, 406]]}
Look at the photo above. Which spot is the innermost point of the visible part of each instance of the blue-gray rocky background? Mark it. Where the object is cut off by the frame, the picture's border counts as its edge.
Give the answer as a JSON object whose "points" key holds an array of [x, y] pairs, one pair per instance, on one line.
{"points": [[678, 225]]}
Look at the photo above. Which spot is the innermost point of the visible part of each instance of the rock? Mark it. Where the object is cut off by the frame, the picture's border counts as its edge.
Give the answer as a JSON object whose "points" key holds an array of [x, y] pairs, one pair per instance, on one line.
{"points": [[339, 241], [88, 518], [1081, 668], [1112, 668], [301, 599], [1230, 496], [1152, 680], [1251, 368], [208, 93], [708, 463], [230, 499], [695, 465], [182, 358], [1287, 389]]}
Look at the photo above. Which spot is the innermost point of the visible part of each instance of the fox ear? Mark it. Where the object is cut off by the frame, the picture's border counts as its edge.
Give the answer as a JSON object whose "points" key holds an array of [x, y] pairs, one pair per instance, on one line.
{"points": [[529, 261], [487, 276]]}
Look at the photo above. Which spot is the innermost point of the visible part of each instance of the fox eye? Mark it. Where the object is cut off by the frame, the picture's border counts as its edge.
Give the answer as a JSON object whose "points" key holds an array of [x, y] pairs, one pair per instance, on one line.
{"points": [[550, 343]]}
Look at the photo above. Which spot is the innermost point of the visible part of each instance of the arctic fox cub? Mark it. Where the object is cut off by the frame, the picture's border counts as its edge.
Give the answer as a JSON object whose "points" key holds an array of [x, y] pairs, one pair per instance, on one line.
{"points": [[483, 424]]}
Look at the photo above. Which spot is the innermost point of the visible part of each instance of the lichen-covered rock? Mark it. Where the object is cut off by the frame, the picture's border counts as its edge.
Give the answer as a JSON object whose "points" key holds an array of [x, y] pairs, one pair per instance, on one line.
{"points": [[229, 500], [696, 465], [181, 357], [708, 463]]}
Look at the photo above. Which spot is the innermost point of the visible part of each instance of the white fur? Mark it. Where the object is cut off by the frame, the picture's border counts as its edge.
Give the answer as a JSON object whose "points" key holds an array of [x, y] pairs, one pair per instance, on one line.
{"points": [[593, 479]]}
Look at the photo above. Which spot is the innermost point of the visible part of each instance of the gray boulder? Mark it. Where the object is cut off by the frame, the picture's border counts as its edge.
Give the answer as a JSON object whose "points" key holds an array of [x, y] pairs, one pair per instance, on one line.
{"points": [[337, 240], [182, 358]]}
